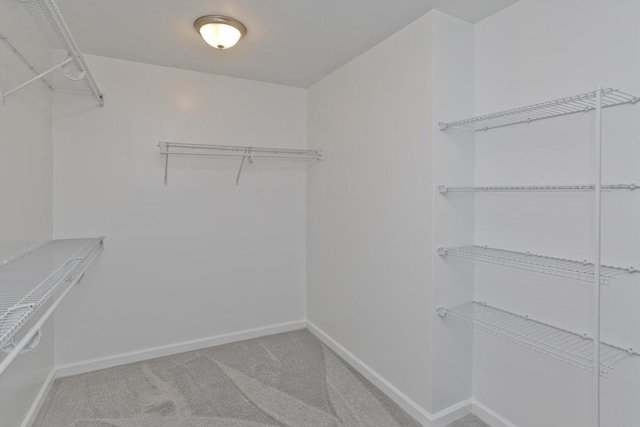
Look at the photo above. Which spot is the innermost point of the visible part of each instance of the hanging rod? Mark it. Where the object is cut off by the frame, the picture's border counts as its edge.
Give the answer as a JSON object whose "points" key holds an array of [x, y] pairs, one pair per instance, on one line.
{"points": [[30, 281], [535, 188], [558, 107], [48, 19], [537, 263], [244, 152], [551, 341]]}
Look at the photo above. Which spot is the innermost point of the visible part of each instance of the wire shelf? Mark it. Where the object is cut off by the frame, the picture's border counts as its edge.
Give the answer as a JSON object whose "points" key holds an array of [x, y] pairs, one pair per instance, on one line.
{"points": [[559, 107], [537, 263], [535, 188], [38, 35], [245, 152], [30, 280], [237, 151], [565, 346]]}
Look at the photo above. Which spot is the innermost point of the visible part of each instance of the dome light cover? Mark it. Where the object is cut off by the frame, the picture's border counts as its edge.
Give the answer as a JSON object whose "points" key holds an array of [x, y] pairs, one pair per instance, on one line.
{"points": [[220, 32]]}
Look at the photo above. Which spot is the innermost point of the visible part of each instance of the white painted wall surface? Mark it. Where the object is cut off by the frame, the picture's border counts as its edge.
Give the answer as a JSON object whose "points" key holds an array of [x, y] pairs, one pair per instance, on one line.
{"points": [[531, 52], [25, 214], [195, 259], [452, 163], [369, 233], [25, 164]]}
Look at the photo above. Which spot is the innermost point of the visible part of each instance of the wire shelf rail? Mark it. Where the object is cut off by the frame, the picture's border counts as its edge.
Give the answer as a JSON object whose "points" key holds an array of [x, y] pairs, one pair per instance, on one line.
{"points": [[37, 33], [245, 152], [560, 344], [31, 280], [535, 188], [579, 270], [558, 107]]}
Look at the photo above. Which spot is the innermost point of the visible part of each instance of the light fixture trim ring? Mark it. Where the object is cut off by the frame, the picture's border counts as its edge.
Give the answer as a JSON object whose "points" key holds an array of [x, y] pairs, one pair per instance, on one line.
{"points": [[220, 19]]}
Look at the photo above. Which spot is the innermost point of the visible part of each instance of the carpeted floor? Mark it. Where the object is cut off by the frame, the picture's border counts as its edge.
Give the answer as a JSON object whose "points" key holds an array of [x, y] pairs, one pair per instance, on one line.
{"points": [[288, 379]]}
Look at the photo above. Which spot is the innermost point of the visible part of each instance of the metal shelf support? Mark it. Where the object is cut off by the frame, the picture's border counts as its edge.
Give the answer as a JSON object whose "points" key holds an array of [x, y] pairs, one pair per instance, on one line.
{"points": [[597, 232], [6, 94], [62, 38]]}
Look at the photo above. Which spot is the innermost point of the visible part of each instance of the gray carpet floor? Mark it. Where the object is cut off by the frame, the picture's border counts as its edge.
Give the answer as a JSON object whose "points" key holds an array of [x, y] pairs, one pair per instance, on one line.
{"points": [[288, 379]]}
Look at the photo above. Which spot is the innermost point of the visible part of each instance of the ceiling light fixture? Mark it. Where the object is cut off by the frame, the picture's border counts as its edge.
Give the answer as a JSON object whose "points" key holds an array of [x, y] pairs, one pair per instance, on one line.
{"points": [[220, 32]]}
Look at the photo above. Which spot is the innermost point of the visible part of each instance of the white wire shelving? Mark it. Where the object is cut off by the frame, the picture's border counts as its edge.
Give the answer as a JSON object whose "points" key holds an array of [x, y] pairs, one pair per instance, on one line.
{"points": [[560, 344], [558, 107], [246, 153], [535, 188], [571, 269], [546, 339], [31, 281], [39, 36]]}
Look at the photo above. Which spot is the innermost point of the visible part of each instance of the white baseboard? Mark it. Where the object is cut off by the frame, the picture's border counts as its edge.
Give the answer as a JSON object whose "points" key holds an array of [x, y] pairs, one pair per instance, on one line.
{"points": [[30, 418], [167, 350], [452, 413], [489, 416], [420, 414]]}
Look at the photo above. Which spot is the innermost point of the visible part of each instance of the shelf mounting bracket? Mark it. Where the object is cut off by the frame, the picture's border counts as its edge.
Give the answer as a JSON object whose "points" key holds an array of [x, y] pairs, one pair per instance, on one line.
{"points": [[246, 156], [33, 343], [69, 59], [164, 148]]}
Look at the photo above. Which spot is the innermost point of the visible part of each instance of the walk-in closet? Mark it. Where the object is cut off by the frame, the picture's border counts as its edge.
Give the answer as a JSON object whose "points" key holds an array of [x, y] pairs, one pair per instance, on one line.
{"points": [[305, 213]]}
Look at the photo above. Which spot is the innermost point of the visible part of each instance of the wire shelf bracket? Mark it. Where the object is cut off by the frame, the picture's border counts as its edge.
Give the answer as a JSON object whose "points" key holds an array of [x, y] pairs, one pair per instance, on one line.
{"points": [[32, 280], [559, 107], [571, 269], [245, 153], [535, 188], [551, 341], [57, 36]]}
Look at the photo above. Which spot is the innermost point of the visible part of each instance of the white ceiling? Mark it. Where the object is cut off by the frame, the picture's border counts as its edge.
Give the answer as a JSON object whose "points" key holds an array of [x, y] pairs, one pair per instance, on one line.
{"points": [[290, 42]]}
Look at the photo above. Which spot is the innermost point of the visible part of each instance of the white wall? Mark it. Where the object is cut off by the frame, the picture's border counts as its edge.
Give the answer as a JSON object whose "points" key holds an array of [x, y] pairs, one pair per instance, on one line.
{"points": [[26, 166], [452, 164], [195, 259], [371, 204], [369, 236], [25, 214], [534, 51]]}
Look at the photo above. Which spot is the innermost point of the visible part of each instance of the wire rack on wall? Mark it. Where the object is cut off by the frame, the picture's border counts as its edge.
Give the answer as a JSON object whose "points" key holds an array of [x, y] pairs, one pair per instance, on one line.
{"points": [[568, 347], [580, 270], [535, 188], [582, 351], [38, 35], [558, 107], [31, 280], [245, 152]]}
